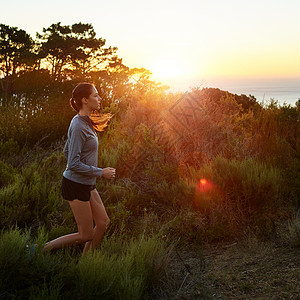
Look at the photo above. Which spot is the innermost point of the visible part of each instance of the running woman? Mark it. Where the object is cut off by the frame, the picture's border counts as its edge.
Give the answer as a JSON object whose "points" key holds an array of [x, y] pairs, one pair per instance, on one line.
{"points": [[79, 177]]}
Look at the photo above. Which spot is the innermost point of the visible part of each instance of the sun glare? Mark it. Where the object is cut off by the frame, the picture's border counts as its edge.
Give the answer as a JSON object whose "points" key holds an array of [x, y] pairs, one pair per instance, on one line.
{"points": [[167, 68]]}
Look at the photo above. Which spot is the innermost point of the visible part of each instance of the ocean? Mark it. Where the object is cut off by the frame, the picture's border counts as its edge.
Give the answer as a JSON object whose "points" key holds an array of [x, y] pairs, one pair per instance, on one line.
{"points": [[284, 90]]}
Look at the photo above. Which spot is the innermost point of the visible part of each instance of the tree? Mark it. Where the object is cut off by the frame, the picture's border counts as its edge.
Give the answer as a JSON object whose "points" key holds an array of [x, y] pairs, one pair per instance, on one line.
{"points": [[73, 51], [140, 77], [298, 104], [16, 54]]}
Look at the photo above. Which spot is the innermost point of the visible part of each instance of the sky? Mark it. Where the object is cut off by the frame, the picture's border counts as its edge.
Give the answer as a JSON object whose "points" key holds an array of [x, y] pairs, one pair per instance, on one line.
{"points": [[183, 43]]}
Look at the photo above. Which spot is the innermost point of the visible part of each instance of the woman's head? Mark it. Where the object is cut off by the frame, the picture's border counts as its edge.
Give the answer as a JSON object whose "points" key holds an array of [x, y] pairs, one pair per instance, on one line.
{"points": [[85, 95]]}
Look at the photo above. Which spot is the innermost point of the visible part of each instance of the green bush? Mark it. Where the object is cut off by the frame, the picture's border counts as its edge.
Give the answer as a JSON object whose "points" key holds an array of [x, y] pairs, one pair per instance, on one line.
{"points": [[121, 269], [7, 174], [236, 196], [20, 272], [34, 197], [8, 147], [248, 185]]}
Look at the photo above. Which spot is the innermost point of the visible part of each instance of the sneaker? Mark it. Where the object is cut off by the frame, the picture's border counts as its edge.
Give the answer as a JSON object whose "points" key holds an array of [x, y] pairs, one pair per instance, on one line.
{"points": [[31, 250]]}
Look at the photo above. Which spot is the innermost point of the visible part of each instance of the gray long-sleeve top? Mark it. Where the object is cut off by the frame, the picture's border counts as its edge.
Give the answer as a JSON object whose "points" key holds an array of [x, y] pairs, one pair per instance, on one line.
{"points": [[81, 151]]}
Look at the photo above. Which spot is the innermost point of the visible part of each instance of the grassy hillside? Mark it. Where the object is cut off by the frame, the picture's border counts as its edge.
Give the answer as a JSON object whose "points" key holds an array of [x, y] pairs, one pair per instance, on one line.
{"points": [[193, 170]]}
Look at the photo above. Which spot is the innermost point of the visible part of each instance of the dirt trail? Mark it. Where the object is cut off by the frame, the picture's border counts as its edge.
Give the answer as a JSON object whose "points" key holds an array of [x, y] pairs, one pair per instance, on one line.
{"points": [[247, 269]]}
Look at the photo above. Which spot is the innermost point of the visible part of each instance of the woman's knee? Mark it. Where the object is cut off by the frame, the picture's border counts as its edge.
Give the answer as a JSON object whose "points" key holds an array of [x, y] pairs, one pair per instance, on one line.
{"points": [[86, 236], [103, 222]]}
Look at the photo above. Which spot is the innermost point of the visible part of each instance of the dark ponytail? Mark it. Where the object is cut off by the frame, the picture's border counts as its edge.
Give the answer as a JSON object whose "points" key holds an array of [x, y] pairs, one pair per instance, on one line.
{"points": [[73, 104]]}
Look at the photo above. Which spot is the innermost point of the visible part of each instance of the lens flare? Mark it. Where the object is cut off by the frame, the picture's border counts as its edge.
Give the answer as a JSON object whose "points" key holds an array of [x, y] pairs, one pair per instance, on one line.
{"points": [[204, 194], [203, 181], [204, 185]]}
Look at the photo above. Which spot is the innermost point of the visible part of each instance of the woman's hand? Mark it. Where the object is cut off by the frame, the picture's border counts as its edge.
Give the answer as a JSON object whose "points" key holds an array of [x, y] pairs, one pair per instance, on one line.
{"points": [[109, 173]]}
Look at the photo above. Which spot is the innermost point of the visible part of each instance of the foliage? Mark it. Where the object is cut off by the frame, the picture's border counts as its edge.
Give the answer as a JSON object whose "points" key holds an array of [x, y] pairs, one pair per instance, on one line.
{"points": [[62, 47], [33, 196], [203, 166], [19, 272], [7, 174], [8, 148], [121, 269]]}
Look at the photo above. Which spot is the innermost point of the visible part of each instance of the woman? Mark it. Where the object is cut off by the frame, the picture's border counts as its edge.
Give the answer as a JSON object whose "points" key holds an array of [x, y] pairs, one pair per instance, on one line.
{"points": [[79, 177]]}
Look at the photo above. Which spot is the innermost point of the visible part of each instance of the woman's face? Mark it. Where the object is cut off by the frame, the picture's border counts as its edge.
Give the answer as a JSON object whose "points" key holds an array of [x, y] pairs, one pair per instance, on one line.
{"points": [[94, 99]]}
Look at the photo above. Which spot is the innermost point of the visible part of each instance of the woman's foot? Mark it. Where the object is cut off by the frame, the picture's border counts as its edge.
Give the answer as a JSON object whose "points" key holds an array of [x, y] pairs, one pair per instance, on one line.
{"points": [[31, 250]]}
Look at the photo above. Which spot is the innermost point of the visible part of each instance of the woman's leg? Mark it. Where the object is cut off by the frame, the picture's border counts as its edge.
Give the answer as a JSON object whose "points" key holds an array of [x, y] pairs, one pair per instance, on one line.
{"points": [[101, 220], [84, 219]]}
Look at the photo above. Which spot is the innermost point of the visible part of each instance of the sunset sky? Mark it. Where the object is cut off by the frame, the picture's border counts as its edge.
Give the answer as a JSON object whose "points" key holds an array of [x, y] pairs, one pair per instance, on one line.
{"points": [[182, 42]]}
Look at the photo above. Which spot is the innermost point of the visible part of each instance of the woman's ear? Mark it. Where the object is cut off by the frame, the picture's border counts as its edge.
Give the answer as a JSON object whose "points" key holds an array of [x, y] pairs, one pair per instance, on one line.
{"points": [[84, 100]]}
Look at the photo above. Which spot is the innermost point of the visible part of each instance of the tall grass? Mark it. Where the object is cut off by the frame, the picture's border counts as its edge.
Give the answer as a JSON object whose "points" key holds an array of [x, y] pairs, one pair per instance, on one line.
{"points": [[121, 269], [237, 194], [6, 174], [33, 196], [248, 153], [19, 271]]}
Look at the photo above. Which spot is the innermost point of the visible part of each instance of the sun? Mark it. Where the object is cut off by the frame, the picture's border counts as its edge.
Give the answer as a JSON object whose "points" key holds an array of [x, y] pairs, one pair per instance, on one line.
{"points": [[167, 69]]}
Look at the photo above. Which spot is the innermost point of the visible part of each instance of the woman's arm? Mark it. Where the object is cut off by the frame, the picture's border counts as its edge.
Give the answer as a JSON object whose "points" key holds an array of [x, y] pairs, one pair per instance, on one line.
{"points": [[76, 142], [66, 149]]}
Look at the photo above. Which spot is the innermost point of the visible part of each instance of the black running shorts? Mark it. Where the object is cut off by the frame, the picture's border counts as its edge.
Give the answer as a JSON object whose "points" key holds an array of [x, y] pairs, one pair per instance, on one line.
{"points": [[73, 190]]}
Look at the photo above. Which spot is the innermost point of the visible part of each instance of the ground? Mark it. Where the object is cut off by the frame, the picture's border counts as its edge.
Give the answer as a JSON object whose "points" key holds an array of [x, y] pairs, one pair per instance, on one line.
{"points": [[244, 269]]}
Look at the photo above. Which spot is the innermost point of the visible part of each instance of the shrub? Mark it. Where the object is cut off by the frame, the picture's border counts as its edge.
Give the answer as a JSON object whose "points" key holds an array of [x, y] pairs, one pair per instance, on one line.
{"points": [[289, 231], [121, 269], [236, 194], [248, 184], [34, 196], [8, 147], [7, 174], [20, 272]]}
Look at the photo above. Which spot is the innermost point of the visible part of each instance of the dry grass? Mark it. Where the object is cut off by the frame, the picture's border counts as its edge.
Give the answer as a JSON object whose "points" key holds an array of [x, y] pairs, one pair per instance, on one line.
{"points": [[254, 270], [245, 269]]}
